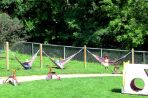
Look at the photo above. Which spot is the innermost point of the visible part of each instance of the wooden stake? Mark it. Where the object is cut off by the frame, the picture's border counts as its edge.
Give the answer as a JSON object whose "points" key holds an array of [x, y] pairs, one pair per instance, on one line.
{"points": [[133, 56], [41, 59], [7, 55], [85, 56]]}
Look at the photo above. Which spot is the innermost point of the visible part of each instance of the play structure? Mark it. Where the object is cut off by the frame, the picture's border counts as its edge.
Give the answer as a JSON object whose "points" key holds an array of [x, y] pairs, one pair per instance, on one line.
{"points": [[61, 62], [28, 63], [132, 72]]}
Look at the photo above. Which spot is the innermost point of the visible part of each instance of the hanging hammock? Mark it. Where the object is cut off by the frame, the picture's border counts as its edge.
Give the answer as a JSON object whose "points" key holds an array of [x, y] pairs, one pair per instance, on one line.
{"points": [[27, 64], [60, 63], [102, 60]]}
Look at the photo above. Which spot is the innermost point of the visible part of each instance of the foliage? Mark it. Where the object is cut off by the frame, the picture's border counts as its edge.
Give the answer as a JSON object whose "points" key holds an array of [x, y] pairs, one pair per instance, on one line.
{"points": [[130, 25], [97, 23], [10, 29]]}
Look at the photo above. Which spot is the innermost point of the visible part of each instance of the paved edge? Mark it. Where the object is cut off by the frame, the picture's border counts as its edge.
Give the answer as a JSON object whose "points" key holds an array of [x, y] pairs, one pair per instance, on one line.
{"points": [[43, 77]]}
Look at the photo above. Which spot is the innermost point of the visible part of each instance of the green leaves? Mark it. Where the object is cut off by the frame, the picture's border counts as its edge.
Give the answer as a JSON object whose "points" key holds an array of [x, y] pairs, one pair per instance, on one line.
{"points": [[97, 23]]}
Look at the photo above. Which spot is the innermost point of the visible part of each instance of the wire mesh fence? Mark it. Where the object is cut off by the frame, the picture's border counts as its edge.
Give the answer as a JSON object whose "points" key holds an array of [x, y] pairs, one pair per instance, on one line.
{"points": [[113, 54], [141, 57], [61, 51], [2, 54], [26, 50]]}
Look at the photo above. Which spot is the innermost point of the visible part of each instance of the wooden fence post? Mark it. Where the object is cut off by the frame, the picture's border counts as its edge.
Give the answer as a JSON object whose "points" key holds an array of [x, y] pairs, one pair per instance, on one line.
{"points": [[7, 55], [133, 56]]}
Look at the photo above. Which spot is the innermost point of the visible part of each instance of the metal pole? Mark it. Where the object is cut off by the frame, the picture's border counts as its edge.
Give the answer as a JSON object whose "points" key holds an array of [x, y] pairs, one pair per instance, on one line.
{"points": [[41, 59], [101, 52], [85, 56], [64, 52], [144, 57], [32, 48]]}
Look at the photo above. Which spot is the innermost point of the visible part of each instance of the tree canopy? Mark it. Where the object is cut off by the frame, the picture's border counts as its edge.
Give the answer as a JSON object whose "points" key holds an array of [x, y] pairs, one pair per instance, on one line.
{"points": [[96, 23]]}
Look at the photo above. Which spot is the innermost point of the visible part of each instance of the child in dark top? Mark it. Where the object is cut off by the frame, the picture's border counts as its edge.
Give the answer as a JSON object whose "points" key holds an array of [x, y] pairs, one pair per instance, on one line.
{"points": [[26, 64]]}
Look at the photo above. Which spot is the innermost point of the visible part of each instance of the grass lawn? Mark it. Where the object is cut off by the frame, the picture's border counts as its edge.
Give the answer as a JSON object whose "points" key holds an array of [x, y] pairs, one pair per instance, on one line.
{"points": [[71, 67], [99, 87]]}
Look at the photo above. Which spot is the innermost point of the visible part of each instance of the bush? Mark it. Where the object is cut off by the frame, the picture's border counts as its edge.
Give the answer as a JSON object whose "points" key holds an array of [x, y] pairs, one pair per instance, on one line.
{"points": [[11, 29]]}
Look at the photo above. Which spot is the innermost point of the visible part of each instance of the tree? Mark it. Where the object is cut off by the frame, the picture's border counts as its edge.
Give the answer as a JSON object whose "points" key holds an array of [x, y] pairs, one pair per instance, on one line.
{"points": [[97, 23], [11, 29], [130, 23]]}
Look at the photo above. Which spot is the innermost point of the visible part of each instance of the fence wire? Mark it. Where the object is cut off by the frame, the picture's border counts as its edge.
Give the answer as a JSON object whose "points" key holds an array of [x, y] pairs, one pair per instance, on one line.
{"points": [[53, 51], [61, 51], [2, 55]]}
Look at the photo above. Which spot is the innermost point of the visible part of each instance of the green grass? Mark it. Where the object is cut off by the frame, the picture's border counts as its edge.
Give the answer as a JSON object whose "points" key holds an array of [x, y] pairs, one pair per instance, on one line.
{"points": [[99, 87], [71, 67]]}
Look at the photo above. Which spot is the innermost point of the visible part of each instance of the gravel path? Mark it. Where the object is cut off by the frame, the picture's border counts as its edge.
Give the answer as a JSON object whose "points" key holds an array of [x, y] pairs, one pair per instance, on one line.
{"points": [[42, 77]]}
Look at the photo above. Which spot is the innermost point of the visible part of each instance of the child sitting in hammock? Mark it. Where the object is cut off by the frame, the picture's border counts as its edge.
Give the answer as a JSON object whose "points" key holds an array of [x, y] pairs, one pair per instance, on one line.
{"points": [[26, 64], [106, 61]]}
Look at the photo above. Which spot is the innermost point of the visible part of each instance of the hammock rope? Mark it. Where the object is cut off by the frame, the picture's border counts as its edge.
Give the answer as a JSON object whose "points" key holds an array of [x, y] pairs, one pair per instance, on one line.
{"points": [[101, 60], [60, 63], [28, 64]]}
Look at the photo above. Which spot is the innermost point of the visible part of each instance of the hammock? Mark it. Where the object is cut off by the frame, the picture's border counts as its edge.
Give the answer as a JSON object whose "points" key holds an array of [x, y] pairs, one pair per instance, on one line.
{"points": [[28, 64], [60, 63], [101, 60]]}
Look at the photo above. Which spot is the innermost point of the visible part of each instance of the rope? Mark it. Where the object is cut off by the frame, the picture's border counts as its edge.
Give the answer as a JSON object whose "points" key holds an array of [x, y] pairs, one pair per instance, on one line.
{"points": [[101, 60], [33, 58], [123, 57]]}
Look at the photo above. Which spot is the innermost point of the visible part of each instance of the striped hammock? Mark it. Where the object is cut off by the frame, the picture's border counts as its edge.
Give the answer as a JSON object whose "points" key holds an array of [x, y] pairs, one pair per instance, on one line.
{"points": [[110, 62], [60, 63], [28, 64]]}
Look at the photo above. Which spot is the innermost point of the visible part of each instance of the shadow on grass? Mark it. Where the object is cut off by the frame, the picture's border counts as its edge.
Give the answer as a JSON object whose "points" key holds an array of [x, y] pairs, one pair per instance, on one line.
{"points": [[2, 68], [55, 67], [116, 90]]}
